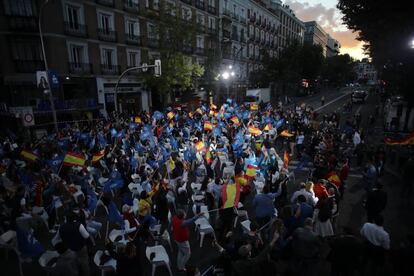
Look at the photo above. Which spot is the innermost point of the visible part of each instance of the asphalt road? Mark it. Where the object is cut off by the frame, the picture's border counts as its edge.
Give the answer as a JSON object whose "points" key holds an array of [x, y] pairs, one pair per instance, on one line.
{"points": [[398, 220]]}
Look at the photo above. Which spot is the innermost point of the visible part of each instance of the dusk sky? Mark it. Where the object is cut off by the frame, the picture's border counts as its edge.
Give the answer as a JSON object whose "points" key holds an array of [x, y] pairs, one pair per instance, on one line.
{"points": [[329, 17]]}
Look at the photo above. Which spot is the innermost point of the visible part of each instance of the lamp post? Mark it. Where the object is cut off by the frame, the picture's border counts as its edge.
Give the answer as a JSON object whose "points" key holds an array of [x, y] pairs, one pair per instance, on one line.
{"points": [[227, 75], [48, 91]]}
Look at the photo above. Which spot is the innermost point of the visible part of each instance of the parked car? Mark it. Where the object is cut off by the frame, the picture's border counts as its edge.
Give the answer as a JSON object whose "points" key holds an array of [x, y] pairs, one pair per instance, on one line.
{"points": [[359, 96]]}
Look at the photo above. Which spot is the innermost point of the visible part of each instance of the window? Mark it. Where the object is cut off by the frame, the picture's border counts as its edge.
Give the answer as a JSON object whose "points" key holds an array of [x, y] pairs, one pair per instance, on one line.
{"points": [[77, 54], [234, 9], [200, 41], [131, 27], [251, 31], [186, 13], [105, 21], [212, 3], [200, 19], [133, 58], [73, 16], [251, 50], [152, 31], [108, 56], [26, 49], [156, 4], [19, 7], [212, 23], [170, 8]]}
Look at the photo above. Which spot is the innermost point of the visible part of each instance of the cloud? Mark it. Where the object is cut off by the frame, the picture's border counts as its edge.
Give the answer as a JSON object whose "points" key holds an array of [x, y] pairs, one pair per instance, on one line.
{"points": [[330, 20]]}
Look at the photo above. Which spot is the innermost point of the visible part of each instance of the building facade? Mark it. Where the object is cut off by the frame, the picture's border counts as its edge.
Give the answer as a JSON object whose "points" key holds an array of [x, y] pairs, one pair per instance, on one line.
{"points": [[315, 34], [366, 72], [333, 47]]}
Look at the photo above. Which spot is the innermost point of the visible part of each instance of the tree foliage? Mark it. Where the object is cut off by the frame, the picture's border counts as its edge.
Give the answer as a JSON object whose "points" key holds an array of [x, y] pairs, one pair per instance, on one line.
{"points": [[338, 70], [387, 29]]}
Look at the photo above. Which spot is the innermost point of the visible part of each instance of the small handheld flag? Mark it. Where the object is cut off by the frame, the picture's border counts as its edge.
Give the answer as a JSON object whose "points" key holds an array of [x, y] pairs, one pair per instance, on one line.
{"points": [[74, 159], [29, 155], [199, 146], [208, 126]]}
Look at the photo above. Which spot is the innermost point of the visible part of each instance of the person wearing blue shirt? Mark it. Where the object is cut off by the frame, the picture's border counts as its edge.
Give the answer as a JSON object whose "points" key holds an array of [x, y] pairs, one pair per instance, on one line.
{"points": [[263, 204], [302, 210]]}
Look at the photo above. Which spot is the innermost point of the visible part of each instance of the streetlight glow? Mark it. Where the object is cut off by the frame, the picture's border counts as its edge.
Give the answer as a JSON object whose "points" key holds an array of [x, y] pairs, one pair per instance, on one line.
{"points": [[225, 75], [230, 67], [412, 44], [232, 73]]}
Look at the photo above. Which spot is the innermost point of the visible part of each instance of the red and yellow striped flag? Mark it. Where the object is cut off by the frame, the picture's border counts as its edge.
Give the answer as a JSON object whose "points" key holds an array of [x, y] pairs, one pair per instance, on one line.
{"points": [[74, 159], [286, 133], [137, 120], [241, 180], [213, 106], [334, 178], [98, 156], [254, 130], [286, 160], [170, 115], [230, 195], [199, 146], [29, 155], [251, 171], [267, 127], [208, 157], [235, 120], [208, 126], [254, 107], [408, 140]]}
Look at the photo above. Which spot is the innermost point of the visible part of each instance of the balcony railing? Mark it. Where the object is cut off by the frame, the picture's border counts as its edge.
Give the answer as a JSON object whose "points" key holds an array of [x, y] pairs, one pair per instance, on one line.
{"points": [[252, 19], [131, 6], [212, 31], [226, 34], [212, 9], [23, 23], [199, 51], [235, 16], [110, 69], [80, 68], [108, 3], [153, 42], [133, 39], [188, 49], [73, 29], [227, 14], [106, 35], [28, 66], [200, 4], [243, 20]]}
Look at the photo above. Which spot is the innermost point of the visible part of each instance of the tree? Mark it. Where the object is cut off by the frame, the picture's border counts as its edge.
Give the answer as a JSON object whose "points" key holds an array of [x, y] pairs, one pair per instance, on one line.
{"points": [[175, 37], [338, 70], [387, 29]]}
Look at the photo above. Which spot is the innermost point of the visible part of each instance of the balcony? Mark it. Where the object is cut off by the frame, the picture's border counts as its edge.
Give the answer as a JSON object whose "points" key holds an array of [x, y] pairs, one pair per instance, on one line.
{"points": [[75, 29], [226, 34], [243, 20], [212, 9], [242, 39], [23, 23], [131, 6], [28, 66], [252, 19], [108, 3], [212, 31], [200, 4], [153, 42], [132, 39], [235, 16], [199, 51], [80, 68], [234, 37], [107, 35], [110, 69], [187, 49], [227, 14]]}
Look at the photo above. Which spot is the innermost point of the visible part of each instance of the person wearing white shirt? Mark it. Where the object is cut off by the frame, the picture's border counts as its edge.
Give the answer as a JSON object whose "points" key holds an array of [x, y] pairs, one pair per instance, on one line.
{"points": [[356, 139], [375, 234], [311, 199]]}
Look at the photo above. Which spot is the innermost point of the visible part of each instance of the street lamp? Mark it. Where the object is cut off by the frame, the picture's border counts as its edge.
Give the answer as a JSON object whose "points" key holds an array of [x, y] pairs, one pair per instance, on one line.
{"points": [[49, 91], [227, 75], [412, 44]]}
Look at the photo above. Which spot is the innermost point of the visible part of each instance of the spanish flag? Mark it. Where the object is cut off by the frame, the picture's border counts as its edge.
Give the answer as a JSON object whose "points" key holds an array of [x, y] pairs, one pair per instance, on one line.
{"points": [[170, 115], [408, 140], [29, 155], [98, 156], [208, 157], [254, 107], [286, 160], [230, 195], [241, 180], [286, 133], [334, 178], [213, 106], [235, 120], [254, 130], [137, 120], [74, 159], [208, 126], [251, 171], [267, 127], [199, 146]]}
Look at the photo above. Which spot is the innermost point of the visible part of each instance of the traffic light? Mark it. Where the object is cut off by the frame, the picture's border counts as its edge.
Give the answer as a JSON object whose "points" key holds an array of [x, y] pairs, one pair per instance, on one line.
{"points": [[157, 68]]}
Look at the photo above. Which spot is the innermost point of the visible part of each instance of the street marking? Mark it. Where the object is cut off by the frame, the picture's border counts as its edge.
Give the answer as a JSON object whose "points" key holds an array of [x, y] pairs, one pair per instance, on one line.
{"points": [[331, 102]]}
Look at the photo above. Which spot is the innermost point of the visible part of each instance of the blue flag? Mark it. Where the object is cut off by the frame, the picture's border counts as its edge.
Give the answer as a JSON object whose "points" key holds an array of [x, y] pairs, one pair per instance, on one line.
{"points": [[279, 123], [113, 132], [54, 163], [158, 115], [28, 244], [114, 216], [92, 200]]}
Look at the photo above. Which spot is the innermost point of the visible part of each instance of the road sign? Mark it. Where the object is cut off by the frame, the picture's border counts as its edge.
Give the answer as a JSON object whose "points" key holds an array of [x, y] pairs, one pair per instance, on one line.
{"points": [[53, 78], [157, 70], [25, 113]]}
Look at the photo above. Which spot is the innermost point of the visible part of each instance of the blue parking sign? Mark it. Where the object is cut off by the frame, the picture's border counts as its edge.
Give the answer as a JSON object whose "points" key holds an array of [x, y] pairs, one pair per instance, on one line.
{"points": [[54, 78]]}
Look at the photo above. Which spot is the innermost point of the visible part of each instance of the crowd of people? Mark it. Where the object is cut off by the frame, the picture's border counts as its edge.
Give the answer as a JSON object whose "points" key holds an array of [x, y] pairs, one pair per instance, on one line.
{"points": [[123, 186]]}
